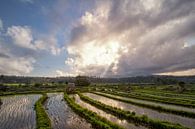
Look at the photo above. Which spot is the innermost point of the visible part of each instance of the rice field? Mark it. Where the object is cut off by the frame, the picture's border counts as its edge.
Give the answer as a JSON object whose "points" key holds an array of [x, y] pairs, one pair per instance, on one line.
{"points": [[188, 122], [62, 117], [17, 112], [91, 110]]}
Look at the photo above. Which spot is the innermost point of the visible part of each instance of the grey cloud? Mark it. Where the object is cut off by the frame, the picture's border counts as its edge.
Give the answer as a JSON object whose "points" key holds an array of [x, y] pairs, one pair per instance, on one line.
{"points": [[155, 37], [4, 55]]}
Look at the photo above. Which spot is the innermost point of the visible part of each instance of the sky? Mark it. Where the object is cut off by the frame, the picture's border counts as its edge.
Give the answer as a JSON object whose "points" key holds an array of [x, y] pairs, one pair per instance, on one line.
{"points": [[104, 38]]}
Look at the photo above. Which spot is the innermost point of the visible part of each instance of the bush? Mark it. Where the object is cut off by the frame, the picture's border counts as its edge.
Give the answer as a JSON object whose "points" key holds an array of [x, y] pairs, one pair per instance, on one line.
{"points": [[82, 81]]}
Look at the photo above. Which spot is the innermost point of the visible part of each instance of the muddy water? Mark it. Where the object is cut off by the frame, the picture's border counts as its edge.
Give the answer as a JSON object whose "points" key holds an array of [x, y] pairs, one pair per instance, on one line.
{"points": [[61, 115], [188, 122], [109, 117], [17, 112], [155, 103]]}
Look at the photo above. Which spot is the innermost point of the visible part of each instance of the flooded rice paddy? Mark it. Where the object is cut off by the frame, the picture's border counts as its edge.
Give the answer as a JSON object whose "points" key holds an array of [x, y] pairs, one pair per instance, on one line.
{"points": [[17, 112], [109, 117], [62, 117], [188, 122], [170, 106]]}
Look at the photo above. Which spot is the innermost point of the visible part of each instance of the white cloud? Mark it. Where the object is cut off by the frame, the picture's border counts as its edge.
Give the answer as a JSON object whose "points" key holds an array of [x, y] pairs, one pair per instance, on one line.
{"points": [[189, 72], [16, 66], [63, 73], [23, 37], [11, 64]]}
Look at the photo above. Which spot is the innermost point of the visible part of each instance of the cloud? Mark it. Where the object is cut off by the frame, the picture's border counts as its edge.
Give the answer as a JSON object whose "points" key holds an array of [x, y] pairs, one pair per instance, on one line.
{"points": [[190, 72], [19, 55], [23, 37], [11, 64], [63, 73], [27, 1], [1, 24], [136, 37]]}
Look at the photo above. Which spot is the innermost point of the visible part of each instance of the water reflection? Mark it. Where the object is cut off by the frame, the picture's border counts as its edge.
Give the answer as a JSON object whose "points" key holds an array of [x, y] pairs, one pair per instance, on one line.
{"points": [[61, 115], [188, 122], [17, 112], [110, 117], [157, 104]]}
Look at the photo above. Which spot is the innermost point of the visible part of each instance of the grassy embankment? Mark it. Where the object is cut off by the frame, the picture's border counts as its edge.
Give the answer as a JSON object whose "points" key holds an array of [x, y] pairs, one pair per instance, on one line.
{"points": [[96, 121], [43, 121], [167, 94], [154, 99], [131, 116], [157, 108]]}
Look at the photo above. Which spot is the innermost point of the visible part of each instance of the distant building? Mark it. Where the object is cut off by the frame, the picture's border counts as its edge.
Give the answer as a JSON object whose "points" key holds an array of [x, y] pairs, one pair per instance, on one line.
{"points": [[70, 88]]}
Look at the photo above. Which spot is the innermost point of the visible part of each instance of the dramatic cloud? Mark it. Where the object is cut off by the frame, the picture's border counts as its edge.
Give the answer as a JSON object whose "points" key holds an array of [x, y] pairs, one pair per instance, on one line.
{"points": [[134, 37]]}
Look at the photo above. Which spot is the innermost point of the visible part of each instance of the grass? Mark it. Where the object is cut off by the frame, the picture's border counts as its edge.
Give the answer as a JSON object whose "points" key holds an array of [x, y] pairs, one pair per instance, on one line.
{"points": [[154, 99], [43, 121], [166, 94], [157, 108], [177, 100], [96, 121], [131, 116], [27, 92]]}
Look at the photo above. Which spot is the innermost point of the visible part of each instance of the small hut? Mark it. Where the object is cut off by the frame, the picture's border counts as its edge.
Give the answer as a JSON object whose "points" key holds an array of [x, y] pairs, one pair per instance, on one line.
{"points": [[70, 88]]}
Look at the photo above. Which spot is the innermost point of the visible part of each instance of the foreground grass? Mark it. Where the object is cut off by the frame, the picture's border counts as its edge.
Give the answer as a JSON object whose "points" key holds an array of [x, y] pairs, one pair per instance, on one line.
{"points": [[131, 117], [157, 108], [43, 121], [96, 121]]}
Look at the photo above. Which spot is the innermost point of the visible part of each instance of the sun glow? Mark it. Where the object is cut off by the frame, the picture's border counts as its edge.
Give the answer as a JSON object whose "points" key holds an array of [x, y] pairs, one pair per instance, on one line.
{"points": [[94, 54]]}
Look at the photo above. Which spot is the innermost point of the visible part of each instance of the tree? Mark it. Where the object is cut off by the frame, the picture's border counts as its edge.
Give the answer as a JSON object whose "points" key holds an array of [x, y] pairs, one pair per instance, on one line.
{"points": [[82, 81], [182, 86]]}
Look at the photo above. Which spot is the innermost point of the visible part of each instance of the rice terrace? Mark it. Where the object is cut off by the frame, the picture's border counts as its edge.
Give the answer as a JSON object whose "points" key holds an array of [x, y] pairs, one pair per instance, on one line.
{"points": [[81, 102], [97, 64]]}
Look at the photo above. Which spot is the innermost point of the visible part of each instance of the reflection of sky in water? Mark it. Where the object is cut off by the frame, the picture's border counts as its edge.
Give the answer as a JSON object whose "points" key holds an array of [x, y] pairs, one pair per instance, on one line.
{"points": [[188, 122], [17, 112], [61, 115], [157, 104], [110, 117]]}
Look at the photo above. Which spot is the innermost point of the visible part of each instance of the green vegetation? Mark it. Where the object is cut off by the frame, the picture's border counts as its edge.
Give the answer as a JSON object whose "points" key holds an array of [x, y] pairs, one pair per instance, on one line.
{"points": [[157, 108], [43, 121], [131, 117], [82, 81], [155, 99], [166, 94], [97, 121]]}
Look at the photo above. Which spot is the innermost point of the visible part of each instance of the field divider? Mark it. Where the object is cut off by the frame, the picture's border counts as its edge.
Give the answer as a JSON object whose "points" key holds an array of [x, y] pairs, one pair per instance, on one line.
{"points": [[97, 121], [43, 121], [131, 116], [157, 108], [154, 99]]}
